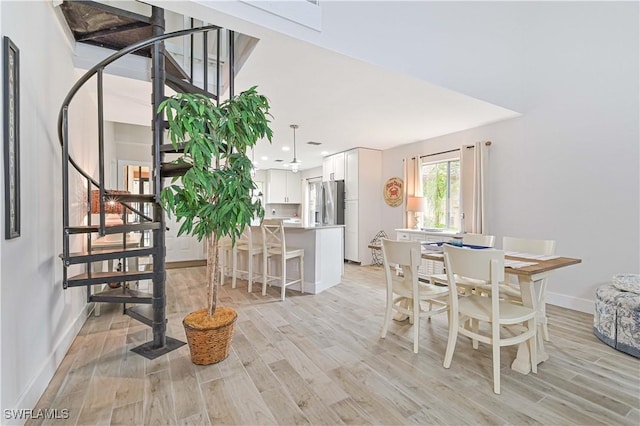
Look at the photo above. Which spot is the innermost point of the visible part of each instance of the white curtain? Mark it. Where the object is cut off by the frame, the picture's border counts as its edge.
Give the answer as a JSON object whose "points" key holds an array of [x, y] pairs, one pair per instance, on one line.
{"points": [[412, 187], [474, 170]]}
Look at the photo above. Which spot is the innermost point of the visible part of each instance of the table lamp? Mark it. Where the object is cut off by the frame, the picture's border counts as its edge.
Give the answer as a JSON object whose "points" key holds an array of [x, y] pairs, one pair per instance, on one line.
{"points": [[416, 205], [112, 209]]}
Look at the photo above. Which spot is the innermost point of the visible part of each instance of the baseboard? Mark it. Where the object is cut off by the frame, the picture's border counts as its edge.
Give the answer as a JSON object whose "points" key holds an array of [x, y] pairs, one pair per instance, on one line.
{"points": [[570, 302], [185, 264], [36, 388]]}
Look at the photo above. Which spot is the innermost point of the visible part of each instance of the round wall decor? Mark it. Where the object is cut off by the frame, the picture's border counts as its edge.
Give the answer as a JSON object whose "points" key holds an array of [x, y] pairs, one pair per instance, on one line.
{"points": [[393, 192]]}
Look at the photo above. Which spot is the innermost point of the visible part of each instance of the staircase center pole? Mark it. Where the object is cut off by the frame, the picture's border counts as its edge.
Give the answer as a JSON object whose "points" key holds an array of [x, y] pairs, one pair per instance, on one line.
{"points": [[159, 274]]}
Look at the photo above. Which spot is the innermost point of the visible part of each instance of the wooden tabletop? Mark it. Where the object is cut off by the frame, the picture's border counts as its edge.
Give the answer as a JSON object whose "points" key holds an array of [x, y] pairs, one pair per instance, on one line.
{"points": [[539, 267]]}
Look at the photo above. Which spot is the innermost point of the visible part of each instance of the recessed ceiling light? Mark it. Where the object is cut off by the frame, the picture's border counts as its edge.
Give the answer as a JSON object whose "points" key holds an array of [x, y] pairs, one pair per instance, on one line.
{"points": [[264, 158], [285, 148], [324, 152]]}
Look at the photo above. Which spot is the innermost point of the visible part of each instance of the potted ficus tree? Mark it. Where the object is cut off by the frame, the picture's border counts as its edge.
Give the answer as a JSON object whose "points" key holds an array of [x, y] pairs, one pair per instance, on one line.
{"points": [[214, 197]]}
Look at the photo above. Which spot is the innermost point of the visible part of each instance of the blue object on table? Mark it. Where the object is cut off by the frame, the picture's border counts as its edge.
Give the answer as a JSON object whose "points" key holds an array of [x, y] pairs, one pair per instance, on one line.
{"points": [[452, 243]]}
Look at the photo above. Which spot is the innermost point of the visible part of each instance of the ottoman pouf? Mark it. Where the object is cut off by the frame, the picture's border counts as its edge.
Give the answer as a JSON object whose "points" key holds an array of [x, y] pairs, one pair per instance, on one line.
{"points": [[617, 317]]}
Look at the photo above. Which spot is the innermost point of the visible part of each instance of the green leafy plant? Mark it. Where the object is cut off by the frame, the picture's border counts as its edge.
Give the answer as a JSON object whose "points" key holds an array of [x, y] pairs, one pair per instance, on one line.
{"points": [[214, 197]]}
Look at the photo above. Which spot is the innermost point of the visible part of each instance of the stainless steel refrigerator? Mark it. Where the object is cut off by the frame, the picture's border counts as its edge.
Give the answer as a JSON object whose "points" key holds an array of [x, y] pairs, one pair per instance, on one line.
{"points": [[333, 202]]}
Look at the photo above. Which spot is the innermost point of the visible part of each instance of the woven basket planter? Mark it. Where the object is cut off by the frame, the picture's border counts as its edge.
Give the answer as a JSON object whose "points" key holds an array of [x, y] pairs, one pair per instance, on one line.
{"points": [[210, 343]]}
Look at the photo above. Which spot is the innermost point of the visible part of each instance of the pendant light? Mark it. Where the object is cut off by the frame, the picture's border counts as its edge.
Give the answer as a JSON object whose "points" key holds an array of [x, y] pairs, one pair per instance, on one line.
{"points": [[295, 164]]}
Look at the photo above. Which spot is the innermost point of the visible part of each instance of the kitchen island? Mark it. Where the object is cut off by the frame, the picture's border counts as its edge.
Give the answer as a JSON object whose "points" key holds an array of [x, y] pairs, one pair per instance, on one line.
{"points": [[323, 254]]}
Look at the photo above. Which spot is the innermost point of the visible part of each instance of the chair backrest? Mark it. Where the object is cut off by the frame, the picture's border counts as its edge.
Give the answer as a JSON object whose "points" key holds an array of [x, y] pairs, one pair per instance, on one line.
{"points": [[405, 254], [480, 264], [524, 245], [479, 240], [475, 263], [273, 234], [246, 237]]}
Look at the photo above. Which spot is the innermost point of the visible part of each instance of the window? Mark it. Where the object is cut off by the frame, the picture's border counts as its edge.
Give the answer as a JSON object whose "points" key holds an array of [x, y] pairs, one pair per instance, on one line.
{"points": [[441, 187]]}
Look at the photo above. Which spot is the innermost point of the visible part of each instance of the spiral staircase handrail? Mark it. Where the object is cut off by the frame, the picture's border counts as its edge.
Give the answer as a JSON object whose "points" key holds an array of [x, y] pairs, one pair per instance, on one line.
{"points": [[120, 53], [102, 64]]}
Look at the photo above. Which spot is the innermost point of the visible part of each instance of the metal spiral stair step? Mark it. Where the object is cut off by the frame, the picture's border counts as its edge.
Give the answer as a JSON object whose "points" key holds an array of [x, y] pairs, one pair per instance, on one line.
{"points": [[93, 278], [142, 313], [169, 148], [183, 86], [118, 229], [120, 295], [170, 170], [132, 198], [100, 255], [173, 68]]}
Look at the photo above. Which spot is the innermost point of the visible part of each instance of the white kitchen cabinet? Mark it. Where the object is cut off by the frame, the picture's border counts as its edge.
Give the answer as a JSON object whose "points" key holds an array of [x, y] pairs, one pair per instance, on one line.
{"points": [[351, 175], [283, 187], [363, 194], [333, 167], [351, 229]]}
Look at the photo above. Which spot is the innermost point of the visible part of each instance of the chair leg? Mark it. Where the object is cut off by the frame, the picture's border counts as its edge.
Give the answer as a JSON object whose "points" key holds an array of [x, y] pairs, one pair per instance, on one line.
{"points": [[416, 324], [301, 274], [474, 328], [234, 264], [387, 315], [265, 272], [221, 255], [283, 281], [453, 337], [250, 269], [496, 364]]}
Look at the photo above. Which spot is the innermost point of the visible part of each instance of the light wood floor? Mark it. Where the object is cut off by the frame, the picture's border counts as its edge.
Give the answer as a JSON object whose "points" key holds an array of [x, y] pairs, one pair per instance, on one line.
{"points": [[319, 360]]}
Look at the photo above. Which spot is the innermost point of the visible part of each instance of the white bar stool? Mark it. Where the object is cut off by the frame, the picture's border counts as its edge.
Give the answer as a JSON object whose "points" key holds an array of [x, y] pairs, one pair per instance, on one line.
{"points": [[274, 246], [247, 248]]}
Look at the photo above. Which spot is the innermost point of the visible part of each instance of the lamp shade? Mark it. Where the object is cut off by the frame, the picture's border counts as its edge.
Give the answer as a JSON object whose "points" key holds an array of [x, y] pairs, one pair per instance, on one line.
{"points": [[111, 205], [416, 204]]}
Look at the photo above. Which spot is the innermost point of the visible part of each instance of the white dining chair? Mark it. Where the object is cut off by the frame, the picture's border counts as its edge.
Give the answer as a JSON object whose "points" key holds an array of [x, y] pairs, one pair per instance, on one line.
{"points": [[245, 251], [468, 286], [511, 289], [406, 255], [483, 240], [486, 265], [274, 247]]}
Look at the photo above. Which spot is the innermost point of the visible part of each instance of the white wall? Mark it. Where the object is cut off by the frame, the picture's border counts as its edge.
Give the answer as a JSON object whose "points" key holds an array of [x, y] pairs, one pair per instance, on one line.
{"points": [[584, 196], [38, 318], [133, 142], [569, 168]]}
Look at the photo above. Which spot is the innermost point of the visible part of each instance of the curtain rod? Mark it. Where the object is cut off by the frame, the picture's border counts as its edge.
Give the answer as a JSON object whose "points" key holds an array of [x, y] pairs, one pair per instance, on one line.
{"points": [[487, 143], [438, 153]]}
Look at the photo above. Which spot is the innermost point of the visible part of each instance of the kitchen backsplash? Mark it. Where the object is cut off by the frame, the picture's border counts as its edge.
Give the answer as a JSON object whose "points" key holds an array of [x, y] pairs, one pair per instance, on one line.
{"points": [[281, 210]]}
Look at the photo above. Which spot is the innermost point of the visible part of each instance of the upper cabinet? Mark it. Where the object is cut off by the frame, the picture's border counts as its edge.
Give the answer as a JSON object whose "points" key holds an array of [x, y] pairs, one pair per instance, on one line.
{"points": [[333, 167], [283, 187]]}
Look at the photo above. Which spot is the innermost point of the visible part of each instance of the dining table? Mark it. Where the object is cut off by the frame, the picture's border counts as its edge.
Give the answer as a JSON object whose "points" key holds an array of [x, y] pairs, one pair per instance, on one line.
{"points": [[531, 271]]}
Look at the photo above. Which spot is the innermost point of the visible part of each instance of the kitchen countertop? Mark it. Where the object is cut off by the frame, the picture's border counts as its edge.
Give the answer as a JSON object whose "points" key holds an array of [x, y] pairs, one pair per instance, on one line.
{"points": [[303, 226]]}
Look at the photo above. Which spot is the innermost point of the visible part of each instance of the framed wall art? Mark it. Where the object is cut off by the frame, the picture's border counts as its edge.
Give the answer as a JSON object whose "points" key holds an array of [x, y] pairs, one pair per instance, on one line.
{"points": [[393, 192], [11, 117]]}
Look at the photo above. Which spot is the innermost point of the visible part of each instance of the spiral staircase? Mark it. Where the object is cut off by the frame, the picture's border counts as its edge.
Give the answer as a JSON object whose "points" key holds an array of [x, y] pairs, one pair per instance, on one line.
{"points": [[131, 34]]}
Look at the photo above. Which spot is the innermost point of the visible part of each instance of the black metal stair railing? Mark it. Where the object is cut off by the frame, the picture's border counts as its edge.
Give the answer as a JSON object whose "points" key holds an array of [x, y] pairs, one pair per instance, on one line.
{"points": [[154, 314]]}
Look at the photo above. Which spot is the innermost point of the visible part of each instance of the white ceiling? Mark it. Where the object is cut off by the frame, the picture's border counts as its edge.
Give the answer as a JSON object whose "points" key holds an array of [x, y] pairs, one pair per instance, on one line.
{"points": [[338, 101]]}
